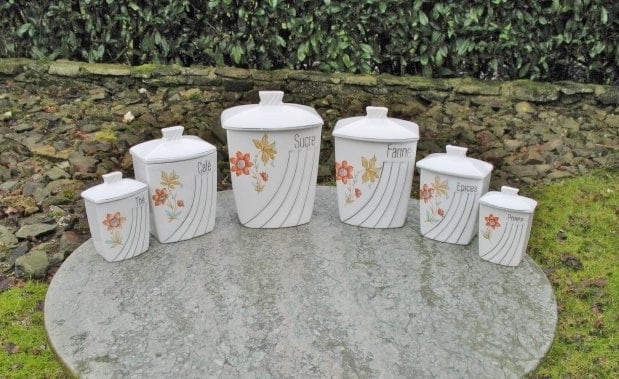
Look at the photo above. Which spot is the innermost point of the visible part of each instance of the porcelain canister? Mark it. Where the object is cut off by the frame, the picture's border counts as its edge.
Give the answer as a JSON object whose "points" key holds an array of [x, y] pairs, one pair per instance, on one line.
{"points": [[505, 220], [117, 215], [374, 162], [274, 149], [449, 190], [182, 181]]}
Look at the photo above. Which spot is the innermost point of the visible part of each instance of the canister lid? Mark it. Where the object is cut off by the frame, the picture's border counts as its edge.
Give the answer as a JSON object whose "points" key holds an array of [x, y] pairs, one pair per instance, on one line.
{"points": [[173, 147], [376, 126], [455, 162], [508, 199], [270, 114], [114, 187]]}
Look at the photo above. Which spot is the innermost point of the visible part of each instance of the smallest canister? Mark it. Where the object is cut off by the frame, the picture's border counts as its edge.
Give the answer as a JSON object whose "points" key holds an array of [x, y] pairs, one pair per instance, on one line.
{"points": [[374, 162], [504, 226], [117, 214]]}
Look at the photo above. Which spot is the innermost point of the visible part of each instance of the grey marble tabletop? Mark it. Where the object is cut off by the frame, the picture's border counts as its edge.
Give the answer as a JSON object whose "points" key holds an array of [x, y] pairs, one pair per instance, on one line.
{"points": [[323, 299]]}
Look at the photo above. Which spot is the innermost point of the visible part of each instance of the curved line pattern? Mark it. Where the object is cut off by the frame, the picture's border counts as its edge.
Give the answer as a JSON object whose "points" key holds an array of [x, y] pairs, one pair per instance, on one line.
{"points": [[195, 223], [137, 235], [310, 193], [369, 206], [463, 212], [381, 208], [507, 246], [296, 184]]}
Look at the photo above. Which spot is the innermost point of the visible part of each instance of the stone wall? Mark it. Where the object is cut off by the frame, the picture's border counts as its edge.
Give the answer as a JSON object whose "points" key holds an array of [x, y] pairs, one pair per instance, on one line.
{"points": [[530, 131]]}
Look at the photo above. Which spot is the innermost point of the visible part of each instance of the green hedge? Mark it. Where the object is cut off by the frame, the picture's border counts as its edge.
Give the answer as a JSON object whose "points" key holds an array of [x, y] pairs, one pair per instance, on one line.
{"points": [[495, 39]]}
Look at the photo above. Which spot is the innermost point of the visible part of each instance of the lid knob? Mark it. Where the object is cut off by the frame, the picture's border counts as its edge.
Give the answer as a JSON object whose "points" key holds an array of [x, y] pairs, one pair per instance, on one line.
{"points": [[112, 177], [509, 190], [172, 133], [271, 97], [376, 112], [456, 151]]}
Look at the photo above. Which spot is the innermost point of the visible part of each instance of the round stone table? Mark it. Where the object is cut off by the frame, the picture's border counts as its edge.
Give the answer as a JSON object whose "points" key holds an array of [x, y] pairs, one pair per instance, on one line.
{"points": [[319, 300]]}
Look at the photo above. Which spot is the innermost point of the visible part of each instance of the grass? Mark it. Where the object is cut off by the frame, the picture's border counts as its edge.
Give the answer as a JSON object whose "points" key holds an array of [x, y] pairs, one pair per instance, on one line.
{"points": [[24, 351], [574, 239]]}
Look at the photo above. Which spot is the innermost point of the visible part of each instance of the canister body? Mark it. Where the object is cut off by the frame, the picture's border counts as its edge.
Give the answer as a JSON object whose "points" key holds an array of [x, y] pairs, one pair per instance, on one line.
{"points": [[373, 180], [449, 206], [274, 175], [503, 235], [120, 228], [182, 196]]}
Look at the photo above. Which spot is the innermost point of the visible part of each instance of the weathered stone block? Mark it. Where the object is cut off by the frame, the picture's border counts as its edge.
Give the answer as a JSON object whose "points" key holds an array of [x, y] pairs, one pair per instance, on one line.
{"points": [[106, 69], [527, 90]]}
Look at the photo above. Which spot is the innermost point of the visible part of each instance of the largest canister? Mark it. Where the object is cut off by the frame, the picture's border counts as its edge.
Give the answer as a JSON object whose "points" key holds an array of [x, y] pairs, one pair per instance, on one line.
{"points": [[274, 149]]}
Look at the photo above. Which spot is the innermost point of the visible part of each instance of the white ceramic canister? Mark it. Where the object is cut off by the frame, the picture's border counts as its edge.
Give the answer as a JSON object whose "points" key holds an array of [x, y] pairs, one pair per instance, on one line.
{"points": [[181, 175], [374, 163], [118, 217], [505, 220], [274, 149], [449, 190]]}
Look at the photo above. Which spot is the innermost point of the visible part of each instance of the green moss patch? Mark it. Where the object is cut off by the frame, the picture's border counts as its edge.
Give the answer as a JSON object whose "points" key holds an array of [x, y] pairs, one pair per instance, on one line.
{"points": [[24, 350], [575, 239]]}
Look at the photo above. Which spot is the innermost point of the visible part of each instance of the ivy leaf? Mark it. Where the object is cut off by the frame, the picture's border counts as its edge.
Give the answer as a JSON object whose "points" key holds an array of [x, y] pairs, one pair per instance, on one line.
{"points": [[237, 53], [423, 19]]}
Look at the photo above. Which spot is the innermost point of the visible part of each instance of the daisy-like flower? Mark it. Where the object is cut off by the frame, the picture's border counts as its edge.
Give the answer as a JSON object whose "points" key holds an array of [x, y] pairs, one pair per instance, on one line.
{"points": [[160, 196], [492, 221], [266, 147], [114, 221], [343, 171], [240, 163], [170, 180], [370, 172]]}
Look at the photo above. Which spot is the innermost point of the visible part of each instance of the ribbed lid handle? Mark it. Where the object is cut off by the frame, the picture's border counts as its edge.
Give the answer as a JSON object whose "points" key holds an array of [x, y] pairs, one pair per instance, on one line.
{"points": [[172, 133], [509, 190], [112, 177], [376, 112], [271, 97], [456, 151]]}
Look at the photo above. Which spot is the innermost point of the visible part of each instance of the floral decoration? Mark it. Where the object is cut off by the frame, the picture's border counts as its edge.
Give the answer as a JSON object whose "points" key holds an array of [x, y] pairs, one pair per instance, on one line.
{"points": [[346, 174], [114, 223], [167, 196], [242, 164], [492, 223], [433, 194]]}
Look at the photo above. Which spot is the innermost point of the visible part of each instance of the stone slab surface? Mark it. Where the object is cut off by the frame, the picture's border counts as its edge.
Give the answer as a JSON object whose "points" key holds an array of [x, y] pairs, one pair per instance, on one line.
{"points": [[319, 300]]}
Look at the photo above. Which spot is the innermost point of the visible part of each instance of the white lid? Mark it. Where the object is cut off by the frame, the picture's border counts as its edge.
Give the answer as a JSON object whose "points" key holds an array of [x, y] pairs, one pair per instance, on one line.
{"points": [[376, 126], [114, 187], [174, 146], [271, 113], [456, 163], [508, 199]]}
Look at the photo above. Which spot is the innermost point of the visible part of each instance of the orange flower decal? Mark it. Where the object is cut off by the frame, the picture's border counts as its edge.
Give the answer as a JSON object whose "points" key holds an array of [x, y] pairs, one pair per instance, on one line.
{"points": [[114, 221], [426, 193], [343, 171], [357, 193], [180, 203], [264, 176], [441, 212], [492, 221], [240, 164], [160, 196]]}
